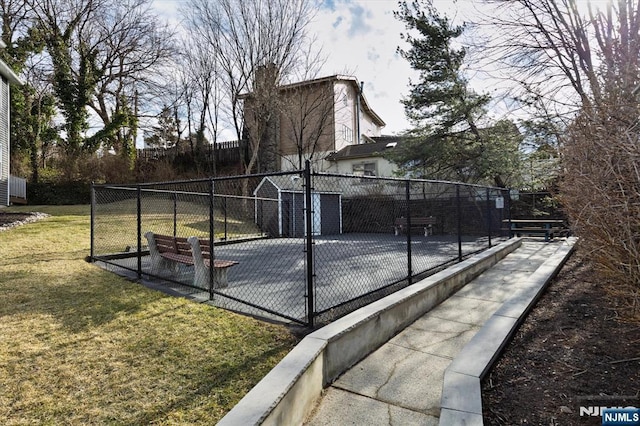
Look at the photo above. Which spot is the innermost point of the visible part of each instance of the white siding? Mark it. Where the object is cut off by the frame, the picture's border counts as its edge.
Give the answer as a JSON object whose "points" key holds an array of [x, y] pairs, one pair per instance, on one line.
{"points": [[4, 142], [345, 122], [346, 116], [368, 127], [383, 167]]}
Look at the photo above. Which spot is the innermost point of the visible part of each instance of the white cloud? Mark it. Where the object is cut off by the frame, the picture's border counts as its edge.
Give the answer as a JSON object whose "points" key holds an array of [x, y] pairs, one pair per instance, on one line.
{"points": [[373, 55], [361, 38], [359, 18], [169, 10]]}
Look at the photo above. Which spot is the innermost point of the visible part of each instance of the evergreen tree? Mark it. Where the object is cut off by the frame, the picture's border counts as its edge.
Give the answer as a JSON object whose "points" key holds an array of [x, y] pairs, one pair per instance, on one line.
{"points": [[446, 142], [440, 101], [32, 104], [165, 134]]}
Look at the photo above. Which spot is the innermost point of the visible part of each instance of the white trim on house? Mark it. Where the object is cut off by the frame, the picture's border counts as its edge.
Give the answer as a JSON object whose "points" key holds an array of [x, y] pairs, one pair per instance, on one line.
{"points": [[8, 73]]}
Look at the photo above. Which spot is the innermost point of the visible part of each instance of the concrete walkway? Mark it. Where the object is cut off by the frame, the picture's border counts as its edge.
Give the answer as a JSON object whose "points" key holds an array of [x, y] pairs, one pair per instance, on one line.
{"points": [[416, 356], [402, 382]]}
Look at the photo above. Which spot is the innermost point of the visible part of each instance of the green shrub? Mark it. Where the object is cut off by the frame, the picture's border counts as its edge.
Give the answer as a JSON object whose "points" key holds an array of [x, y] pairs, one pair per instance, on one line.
{"points": [[59, 193]]}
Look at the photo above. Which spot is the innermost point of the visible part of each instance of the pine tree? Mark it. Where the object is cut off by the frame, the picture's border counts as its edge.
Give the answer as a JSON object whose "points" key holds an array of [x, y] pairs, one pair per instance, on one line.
{"points": [[441, 100], [165, 134], [446, 142]]}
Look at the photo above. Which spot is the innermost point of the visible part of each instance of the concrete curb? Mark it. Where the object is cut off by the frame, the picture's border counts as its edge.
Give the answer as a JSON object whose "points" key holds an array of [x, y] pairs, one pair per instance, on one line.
{"points": [[461, 402], [287, 394]]}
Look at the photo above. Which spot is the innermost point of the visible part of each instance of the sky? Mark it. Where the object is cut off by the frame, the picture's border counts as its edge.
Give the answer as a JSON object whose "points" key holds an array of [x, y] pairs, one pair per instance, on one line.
{"points": [[360, 38]]}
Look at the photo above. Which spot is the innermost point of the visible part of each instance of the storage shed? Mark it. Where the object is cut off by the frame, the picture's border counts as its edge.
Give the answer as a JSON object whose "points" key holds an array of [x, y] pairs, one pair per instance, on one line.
{"points": [[280, 208]]}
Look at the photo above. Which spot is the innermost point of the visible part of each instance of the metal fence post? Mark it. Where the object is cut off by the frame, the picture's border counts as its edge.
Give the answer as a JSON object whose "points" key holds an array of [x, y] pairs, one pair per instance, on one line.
{"points": [[408, 213], [139, 219], [309, 242], [508, 198], [211, 239], [489, 218], [459, 207], [224, 206], [93, 221], [175, 214]]}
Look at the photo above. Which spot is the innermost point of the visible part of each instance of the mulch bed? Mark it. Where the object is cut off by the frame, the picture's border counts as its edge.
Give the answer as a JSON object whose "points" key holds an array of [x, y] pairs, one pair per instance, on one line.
{"points": [[572, 351], [7, 218], [12, 219]]}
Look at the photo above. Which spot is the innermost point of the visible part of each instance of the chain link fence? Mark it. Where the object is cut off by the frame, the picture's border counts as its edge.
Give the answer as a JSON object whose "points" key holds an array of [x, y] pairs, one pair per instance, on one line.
{"points": [[300, 246]]}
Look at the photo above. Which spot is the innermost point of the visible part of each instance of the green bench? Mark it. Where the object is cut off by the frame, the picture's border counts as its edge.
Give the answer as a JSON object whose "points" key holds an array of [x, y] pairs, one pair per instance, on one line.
{"points": [[547, 228]]}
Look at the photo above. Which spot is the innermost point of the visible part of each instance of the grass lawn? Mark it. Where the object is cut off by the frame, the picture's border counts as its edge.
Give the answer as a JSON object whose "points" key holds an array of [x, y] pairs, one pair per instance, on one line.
{"points": [[116, 222], [79, 345]]}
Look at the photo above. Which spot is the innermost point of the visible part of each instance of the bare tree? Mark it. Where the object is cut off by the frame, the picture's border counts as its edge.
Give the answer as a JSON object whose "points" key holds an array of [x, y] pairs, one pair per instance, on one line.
{"points": [[203, 78], [308, 112], [133, 47], [257, 45], [573, 54], [183, 101], [566, 51], [307, 109]]}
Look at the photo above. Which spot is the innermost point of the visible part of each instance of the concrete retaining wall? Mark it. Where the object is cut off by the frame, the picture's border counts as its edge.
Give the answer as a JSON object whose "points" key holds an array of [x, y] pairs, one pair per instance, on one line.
{"points": [[461, 401], [288, 393]]}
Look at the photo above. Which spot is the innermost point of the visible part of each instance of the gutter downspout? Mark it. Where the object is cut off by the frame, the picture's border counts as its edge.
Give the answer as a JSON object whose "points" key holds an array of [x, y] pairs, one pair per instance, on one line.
{"points": [[358, 107]]}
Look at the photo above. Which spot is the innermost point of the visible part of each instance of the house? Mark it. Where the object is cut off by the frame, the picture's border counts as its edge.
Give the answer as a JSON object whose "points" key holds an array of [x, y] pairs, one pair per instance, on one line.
{"points": [[8, 78], [313, 119], [365, 159]]}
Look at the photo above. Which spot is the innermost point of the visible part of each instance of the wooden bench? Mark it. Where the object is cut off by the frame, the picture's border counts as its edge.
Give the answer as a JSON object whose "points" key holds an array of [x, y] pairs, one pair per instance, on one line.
{"points": [[168, 252], [401, 224], [202, 261], [548, 228]]}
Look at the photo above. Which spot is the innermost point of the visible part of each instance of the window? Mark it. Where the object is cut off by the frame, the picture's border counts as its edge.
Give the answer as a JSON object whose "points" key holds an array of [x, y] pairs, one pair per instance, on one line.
{"points": [[347, 133], [364, 169]]}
